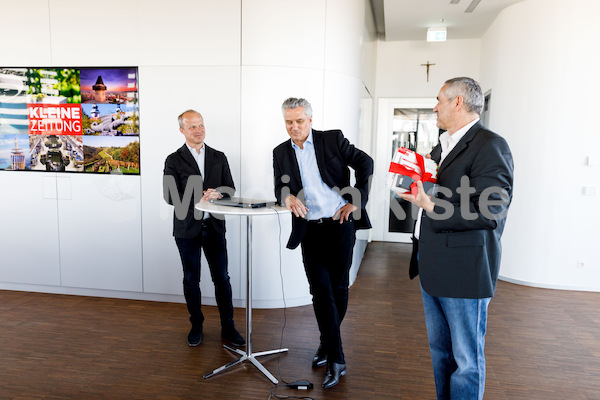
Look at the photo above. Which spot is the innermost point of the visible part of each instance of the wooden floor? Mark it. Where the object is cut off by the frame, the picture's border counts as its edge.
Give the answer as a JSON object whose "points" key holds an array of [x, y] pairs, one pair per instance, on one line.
{"points": [[541, 344]]}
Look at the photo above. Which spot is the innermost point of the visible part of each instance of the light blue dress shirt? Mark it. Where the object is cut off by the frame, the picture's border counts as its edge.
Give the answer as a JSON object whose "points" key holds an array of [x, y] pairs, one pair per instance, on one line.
{"points": [[321, 200]]}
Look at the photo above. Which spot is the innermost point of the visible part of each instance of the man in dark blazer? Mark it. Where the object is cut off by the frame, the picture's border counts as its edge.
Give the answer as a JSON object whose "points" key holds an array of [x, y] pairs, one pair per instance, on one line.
{"points": [[457, 247], [195, 172], [312, 179]]}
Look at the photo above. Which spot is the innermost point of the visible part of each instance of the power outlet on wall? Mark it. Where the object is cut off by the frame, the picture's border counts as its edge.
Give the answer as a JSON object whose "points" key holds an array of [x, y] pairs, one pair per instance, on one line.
{"points": [[589, 190], [580, 264]]}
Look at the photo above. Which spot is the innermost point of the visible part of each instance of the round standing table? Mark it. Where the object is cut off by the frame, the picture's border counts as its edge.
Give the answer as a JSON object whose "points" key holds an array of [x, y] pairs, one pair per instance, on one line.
{"points": [[248, 212]]}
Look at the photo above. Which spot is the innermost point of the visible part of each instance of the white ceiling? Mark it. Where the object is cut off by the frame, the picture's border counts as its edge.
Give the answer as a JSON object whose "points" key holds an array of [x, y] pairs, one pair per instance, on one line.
{"points": [[409, 19]]}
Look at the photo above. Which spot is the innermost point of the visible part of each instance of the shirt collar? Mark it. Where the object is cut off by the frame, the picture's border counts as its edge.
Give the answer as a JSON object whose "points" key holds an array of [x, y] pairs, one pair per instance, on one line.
{"points": [[193, 150], [309, 139], [449, 140]]}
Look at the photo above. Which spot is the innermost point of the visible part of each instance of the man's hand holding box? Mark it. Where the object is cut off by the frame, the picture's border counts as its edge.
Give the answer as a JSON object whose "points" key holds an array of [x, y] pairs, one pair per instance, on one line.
{"points": [[408, 167]]}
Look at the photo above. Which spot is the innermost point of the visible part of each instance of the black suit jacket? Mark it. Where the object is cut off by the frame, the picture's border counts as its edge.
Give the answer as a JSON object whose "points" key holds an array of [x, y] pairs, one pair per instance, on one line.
{"points": [[334, 155], [181, 166], [459, 256]]}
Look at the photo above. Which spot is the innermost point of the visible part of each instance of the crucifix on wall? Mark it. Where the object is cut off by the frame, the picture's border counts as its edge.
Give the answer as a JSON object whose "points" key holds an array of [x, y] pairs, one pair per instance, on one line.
{"points": [[427, 65]]}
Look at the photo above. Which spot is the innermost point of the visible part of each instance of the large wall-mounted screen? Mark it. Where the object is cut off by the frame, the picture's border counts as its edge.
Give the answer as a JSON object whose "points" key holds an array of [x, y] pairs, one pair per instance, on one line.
{"points": [[82, 120]]}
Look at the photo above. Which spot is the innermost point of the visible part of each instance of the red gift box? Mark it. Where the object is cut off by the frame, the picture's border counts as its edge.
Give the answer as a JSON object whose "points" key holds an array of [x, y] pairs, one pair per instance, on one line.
{"points": [[408, 167]]}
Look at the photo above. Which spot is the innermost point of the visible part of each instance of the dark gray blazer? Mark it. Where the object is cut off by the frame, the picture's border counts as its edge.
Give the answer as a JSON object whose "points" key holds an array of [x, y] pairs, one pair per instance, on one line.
{"points": [[460, 256], [181, 165], [334, 155]]}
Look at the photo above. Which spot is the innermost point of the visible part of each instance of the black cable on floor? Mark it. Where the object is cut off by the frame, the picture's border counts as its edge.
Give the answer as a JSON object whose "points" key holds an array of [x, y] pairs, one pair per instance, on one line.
{"points": [[286, 384]]}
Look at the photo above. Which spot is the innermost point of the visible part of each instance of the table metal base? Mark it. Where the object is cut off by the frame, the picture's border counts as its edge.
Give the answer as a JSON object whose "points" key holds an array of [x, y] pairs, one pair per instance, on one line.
{"points": [[248, 354], [249, 357]]}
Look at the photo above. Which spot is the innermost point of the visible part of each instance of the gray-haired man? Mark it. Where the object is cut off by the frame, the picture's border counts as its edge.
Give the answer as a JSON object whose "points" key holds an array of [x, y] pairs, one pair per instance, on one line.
{"points": [[312, 179], [457, 240]]}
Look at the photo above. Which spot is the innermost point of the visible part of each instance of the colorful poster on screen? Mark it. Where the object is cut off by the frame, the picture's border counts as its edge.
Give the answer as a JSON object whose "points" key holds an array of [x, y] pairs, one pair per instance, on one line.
{"points": [[70, 120]]}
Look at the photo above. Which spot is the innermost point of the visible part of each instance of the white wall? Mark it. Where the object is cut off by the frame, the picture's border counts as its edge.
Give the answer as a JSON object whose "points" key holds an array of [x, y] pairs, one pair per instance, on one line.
{"points": [[400, 73], [234, 61], [540, 59], [280, 59], [401, 78]]}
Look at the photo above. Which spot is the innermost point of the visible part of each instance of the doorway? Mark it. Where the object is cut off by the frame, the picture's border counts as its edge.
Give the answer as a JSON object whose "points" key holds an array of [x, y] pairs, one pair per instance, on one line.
{"points": [[485, 115], [409, 123]]}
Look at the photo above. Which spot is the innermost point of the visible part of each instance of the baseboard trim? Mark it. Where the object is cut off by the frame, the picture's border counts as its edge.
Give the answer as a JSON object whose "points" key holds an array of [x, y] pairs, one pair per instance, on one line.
{"points": [[549, 286]]}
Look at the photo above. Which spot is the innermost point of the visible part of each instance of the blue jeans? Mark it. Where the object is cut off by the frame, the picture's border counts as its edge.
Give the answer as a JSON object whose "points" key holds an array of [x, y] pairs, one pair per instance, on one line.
{"points": [[456, 330]]}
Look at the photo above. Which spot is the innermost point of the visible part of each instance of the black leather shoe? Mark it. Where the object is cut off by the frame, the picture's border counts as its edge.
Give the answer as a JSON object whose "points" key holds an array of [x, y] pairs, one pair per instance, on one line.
{"points": [[233, 336], [334, 372], [320, 358], [195, 336]]}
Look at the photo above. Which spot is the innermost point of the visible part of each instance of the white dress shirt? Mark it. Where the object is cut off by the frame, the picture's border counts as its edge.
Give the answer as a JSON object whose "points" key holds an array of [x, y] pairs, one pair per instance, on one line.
{"points": [[199, 157], [448, 143]]}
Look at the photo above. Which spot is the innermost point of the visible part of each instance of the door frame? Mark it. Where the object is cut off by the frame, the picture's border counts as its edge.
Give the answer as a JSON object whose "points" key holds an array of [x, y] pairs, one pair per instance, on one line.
{"points": [[385, 118]]}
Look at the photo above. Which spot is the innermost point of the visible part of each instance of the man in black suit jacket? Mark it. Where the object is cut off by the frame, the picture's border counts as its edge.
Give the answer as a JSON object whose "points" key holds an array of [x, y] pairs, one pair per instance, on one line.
{"points": [[194, 171], [312, 179], [457, 248]]}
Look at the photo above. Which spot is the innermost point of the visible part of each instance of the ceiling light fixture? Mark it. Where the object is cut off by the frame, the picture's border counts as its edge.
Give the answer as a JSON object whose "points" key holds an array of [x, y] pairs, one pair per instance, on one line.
{"points": [[472, 6], [437, 34]]}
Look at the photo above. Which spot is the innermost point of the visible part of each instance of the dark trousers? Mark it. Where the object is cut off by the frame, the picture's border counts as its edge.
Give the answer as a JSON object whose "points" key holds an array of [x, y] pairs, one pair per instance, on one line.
{"points": [[215, 249], [327, 254]]}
